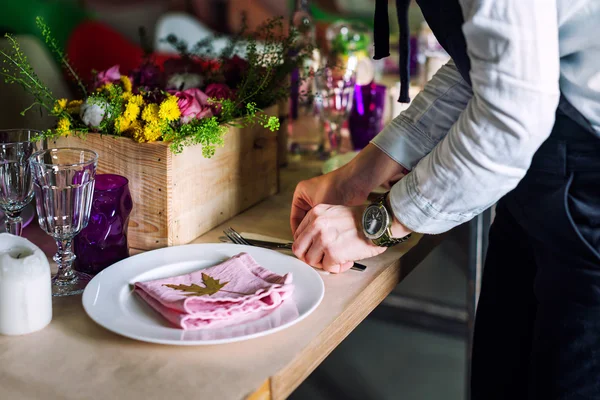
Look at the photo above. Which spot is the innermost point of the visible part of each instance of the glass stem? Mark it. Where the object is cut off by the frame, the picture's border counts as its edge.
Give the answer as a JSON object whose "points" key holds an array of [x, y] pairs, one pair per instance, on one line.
{"points": [[335, 137], [64, 259], [14, 224]]}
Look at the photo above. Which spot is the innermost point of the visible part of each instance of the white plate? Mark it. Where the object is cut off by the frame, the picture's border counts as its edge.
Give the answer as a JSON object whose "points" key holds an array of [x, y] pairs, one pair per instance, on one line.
{"points": [[109, 300]]}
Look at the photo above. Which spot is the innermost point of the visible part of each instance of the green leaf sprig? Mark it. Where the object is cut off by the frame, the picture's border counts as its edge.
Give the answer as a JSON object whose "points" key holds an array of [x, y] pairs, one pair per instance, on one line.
{"points": [[211, 286]]}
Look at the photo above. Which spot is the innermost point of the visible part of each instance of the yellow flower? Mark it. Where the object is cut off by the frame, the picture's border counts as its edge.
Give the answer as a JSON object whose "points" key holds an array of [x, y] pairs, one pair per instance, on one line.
{"points": [[137, 99], [64, 125], [74, 106], [150, 113], [150, 133], [127, 95], [127, 86], [107, 86], [169, 110], [122, 124], [132, 111], [59, 106], [135, 130]]}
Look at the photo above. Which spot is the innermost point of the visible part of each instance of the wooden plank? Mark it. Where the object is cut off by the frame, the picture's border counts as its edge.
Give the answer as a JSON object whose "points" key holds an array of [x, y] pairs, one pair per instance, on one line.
{"points": [[178, 197], [289, 378], [206, 192], [147, 167], [263, 393], [35, 362]]}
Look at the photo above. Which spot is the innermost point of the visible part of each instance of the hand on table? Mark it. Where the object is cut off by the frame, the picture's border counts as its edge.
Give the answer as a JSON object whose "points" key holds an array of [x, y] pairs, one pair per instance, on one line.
{"points": [[327, 234], [349, 185], [330, 237], [325, 189]]}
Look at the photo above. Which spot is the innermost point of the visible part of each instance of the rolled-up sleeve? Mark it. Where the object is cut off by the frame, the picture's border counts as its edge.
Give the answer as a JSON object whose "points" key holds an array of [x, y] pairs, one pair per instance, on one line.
{"points": [[415, 132], [513, 47]]}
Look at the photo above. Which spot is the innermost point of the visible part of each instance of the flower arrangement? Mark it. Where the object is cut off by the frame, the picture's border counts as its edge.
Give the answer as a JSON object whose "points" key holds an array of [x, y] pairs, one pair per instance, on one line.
{"points": [[191, 100]]}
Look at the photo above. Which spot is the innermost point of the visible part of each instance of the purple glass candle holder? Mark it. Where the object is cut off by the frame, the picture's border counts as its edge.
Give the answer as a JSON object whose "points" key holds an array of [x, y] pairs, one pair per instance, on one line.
{"points": [[104, 241], [366, 116]]}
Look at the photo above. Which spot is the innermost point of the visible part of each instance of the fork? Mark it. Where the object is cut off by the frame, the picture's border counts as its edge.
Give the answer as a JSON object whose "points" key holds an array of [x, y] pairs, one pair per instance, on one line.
{"points": [[239, 239]]}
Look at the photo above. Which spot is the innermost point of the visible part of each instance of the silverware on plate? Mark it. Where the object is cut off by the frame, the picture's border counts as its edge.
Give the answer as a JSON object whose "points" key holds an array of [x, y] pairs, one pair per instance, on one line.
{"points": [[236, 238]]}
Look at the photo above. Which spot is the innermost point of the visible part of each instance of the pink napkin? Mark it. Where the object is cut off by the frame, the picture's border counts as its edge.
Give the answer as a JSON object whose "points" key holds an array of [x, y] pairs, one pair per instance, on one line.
{"points": [[236, 291]]}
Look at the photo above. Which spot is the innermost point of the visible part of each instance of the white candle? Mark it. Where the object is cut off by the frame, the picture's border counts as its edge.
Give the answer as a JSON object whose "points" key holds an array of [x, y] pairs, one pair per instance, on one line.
{"points": [[25, 286]]}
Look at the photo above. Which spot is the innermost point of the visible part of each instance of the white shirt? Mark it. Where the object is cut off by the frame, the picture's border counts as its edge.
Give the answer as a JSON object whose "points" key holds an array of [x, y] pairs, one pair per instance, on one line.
{"points": [[468, 146]]}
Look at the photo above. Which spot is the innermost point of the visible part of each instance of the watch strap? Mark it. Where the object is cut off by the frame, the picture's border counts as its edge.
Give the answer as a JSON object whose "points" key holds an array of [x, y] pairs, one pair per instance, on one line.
{"points": [[387, 240]]}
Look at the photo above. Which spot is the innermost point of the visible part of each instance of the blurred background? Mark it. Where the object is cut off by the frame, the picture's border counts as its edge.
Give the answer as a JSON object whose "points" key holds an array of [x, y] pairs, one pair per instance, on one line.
{"points": [[414, 346]]}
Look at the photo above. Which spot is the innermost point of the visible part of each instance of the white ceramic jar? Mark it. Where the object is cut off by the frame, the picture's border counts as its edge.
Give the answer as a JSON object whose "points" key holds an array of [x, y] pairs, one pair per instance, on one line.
{"points": [[25, 286]]}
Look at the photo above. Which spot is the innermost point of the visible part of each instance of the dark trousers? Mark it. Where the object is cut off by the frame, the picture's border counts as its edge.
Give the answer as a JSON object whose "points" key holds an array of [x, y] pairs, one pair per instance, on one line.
{"points": [[537, 329]]}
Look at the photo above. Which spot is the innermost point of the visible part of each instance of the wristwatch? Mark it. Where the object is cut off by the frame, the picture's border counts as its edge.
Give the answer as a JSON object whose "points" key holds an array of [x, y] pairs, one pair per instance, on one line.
{"points": [[377, 224]]}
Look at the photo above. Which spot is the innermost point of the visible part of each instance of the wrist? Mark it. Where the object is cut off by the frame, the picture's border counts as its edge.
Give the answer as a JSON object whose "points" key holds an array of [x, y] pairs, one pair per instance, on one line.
{"points": [[370, 169], [397, 229], [351, 185]]}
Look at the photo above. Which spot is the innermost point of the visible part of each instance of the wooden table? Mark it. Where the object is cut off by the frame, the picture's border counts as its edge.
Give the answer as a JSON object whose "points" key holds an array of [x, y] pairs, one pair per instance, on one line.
{"points": [[73, 358]]}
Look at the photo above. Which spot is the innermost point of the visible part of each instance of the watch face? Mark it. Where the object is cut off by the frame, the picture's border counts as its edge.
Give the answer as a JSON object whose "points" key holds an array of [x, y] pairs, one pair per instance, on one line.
{"points": [[374, 221]]}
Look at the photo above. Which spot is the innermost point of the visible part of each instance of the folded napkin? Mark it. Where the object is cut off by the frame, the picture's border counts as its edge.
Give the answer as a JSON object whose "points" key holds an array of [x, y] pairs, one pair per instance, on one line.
{"points": [[236, 291]]}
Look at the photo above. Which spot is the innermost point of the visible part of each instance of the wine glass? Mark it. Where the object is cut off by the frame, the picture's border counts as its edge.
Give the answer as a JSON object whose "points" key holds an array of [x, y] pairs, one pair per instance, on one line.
{"points": [[333, 100], [63, 181], [16, 148]]}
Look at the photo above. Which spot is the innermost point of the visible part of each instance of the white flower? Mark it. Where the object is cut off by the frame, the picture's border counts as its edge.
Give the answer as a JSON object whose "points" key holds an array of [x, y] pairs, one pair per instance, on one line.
{"points": [[92, 112], [184, 81]]}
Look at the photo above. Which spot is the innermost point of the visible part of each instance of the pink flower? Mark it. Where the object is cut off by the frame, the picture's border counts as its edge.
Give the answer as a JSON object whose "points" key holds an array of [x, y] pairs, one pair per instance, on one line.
{"points": [[193, 103], [234, 69], [218, 91], [110, 75]]}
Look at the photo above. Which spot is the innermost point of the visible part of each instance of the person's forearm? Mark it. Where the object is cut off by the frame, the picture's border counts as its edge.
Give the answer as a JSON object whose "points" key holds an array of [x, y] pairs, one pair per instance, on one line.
{"points": [[370, 169], [490, 147]]}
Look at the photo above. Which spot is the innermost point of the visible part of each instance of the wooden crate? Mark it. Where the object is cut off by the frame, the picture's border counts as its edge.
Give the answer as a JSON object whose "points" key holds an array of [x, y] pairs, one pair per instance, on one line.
{"points": [[283, 134], [178, 197]]}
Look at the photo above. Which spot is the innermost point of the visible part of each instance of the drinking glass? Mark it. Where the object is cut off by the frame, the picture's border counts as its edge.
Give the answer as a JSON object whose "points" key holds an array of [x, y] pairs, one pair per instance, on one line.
{"points": [[366, 118], [104, 241], [333, 99], [16, 148], [63, 181]]}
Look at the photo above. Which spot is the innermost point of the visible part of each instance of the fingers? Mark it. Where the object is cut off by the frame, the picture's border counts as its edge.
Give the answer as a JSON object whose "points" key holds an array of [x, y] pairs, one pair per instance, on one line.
{"points": [[301, 246], [296, 218], [346, 266], [300, 208], [333, 264], [328, 238], [308, 245], [311, 218], [314, 255], [335, 267]]}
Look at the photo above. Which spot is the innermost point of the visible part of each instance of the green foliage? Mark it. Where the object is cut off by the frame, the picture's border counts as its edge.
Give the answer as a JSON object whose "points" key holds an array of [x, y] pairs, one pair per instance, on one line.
{"points": [[53, 45], [272, 123], [272, 54], [16, 70], [262, 84], [207, 132]]}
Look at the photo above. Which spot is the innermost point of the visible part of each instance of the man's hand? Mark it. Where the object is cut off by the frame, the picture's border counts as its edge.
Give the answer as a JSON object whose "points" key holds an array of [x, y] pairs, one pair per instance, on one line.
{"points": [[349, 185], [325, 189], [330, 237]]}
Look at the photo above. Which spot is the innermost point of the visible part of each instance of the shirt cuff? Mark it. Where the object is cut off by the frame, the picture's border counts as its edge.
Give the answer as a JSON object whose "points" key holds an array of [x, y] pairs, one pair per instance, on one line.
{"points": [[403, 143], [417, 213]]}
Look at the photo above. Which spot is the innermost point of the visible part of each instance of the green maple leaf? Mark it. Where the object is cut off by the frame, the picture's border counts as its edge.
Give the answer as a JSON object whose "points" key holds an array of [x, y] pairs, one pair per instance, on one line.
{"points": [[211, 286]]}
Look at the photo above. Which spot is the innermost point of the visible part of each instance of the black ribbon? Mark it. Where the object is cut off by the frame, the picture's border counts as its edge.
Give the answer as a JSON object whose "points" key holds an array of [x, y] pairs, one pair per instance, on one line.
{"points": [[381, 32], [381, 35]]}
